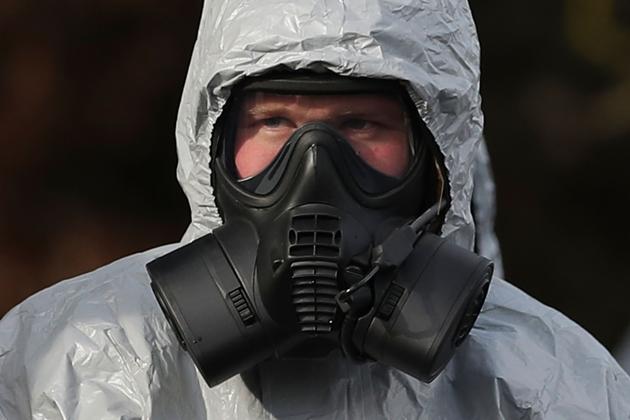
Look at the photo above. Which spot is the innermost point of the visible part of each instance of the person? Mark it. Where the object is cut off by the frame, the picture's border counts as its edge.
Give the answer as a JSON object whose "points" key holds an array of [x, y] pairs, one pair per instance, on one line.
{"points": [[100, 345], [622, 353]]}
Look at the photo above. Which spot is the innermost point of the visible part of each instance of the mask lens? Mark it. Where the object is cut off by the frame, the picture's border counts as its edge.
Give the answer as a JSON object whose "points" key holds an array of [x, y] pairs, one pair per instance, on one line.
{"points": [[376, 125]]}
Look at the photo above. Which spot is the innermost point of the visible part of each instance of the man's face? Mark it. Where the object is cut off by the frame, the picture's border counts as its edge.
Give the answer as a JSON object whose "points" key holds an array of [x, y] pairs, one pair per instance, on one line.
{"points": [[374, 124]]}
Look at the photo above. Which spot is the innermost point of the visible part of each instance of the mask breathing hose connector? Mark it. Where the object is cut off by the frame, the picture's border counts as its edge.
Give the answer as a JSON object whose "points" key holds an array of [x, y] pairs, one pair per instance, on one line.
{"points": [[392, 252]]}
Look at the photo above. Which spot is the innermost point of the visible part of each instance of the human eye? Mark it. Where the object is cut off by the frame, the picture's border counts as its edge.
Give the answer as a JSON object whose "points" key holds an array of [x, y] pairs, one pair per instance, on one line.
{"points": [[356, 124], [274, 122]]}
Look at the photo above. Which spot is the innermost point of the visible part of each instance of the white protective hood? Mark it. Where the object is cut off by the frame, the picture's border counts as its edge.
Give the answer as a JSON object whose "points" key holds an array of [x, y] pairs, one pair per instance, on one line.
{"points": [[431, 45], [98, 346]]}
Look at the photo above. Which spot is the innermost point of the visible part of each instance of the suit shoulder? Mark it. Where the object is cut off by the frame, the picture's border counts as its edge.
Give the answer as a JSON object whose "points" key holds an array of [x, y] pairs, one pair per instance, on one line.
{"points": [[533, 359]]}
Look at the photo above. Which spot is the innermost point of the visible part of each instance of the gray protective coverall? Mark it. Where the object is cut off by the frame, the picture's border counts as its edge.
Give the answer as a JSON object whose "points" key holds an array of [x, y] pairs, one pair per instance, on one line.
{"points": [[98, 346]]}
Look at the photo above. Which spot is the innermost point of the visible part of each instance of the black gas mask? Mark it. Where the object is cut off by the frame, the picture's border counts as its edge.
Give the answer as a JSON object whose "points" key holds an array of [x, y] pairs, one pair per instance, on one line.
{"points": [[321, 251]]}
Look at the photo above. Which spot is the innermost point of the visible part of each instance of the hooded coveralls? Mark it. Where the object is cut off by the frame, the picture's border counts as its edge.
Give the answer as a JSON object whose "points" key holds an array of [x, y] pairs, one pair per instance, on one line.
{"points": [[98, 346]]}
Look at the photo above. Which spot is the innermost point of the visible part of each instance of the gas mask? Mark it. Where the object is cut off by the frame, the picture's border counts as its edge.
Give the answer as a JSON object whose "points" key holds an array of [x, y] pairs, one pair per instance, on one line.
{"points": [[321, 250]]}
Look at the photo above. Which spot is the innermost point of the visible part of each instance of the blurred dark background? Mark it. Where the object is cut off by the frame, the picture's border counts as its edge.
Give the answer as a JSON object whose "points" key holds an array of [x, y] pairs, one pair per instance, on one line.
{"points": [[89, 93]]}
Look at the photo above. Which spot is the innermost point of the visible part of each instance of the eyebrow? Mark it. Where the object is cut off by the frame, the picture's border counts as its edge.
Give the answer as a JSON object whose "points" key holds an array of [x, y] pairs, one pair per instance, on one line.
{"points": [[258, 109]]}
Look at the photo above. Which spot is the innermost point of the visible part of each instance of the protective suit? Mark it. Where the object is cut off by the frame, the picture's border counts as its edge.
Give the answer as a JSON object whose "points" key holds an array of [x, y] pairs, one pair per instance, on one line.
{"points": [[98, 346]]}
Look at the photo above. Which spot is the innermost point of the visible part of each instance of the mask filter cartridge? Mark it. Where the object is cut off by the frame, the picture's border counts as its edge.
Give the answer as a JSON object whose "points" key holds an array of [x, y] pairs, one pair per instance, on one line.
{"points": [[411, 314]]}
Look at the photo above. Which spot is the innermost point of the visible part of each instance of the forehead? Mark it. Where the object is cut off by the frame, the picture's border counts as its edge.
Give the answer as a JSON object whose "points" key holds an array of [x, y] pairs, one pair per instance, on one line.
{"points": [[360, 103]]}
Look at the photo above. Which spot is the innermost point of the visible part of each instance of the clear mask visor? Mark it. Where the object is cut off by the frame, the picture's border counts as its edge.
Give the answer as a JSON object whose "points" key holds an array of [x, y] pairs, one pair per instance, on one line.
{"points": [[376, 125]]}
